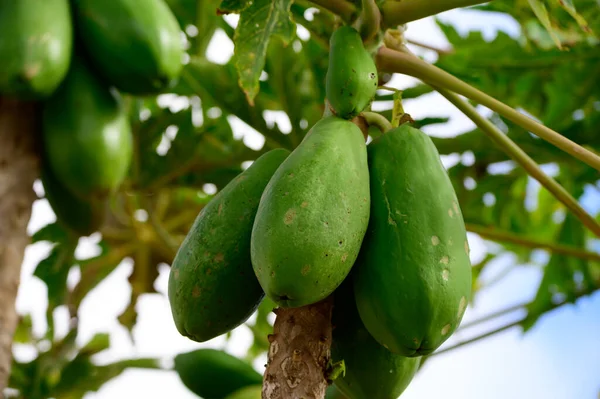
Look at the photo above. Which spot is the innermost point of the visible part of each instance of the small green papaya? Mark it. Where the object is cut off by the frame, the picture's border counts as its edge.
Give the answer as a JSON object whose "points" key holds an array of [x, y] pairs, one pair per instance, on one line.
{"points": [[212, 287], [351, 79], [214, 374], [413, 275], [82, 216], [36, 40], [313, 215], [372, 372], [251, 392], [136, 45], [86, 133]]}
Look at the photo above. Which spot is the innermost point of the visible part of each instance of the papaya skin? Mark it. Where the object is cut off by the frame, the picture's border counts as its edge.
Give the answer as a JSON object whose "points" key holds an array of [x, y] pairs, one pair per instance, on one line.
{"points": [[134, 44], [351, 79], [81, 216], [214, 374], [212, 287], [413, 276], [36, 40], [313, 215], [372, 372], [87, 137]]}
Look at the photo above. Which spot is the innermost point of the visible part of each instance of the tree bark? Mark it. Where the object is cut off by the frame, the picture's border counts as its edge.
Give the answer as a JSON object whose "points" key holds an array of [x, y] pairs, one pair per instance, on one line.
{"points": [[299, 353], [19, 167]]}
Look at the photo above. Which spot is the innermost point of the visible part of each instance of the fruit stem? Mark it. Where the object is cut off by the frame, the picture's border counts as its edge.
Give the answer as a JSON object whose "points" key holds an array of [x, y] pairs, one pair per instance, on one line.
{"points": [[346, 10], [402, 62], [521, 157], [400, 12], [505, 236], [373, 118], [370, 20]]}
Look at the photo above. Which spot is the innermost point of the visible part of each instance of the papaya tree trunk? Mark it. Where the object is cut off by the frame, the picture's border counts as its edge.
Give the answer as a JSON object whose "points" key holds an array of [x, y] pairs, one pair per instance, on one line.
{"points": [[19, 167], [299, 353]]}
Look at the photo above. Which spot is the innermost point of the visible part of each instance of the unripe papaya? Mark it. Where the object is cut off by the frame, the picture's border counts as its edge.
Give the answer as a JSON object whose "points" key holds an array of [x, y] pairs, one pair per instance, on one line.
{"points": [[313, 215], [413, 275], [82, 216], [351, 79], [212, 287], [136, 45], [372, 372], [36, 40], [214, 374], [251, 392], [87, 136]]}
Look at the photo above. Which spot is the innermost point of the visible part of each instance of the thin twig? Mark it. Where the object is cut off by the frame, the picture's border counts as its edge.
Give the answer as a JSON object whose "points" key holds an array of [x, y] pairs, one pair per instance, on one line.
{"points": [[401, 62], [503, 312], [527, 242], [438, 50]]}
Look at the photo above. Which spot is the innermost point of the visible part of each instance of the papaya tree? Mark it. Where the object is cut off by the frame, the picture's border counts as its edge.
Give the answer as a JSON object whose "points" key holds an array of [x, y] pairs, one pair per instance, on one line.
{"points": [[345, 227]]}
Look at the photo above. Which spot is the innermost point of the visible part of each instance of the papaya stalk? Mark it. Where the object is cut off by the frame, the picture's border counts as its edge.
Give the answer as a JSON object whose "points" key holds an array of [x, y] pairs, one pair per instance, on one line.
{"points": [[521, 157], [400, 12], [390, 60], [378, 120], [370, 20]]}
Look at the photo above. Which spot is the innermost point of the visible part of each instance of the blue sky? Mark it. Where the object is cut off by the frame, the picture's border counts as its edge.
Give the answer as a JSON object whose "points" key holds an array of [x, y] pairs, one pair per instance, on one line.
{"points": [[558, 359]]}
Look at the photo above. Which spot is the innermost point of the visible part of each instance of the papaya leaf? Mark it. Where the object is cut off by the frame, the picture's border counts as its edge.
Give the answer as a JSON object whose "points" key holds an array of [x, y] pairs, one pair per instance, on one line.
{"points": [[233, 6], [540, 10], [257, 24], [24, 331], [52, 232]]}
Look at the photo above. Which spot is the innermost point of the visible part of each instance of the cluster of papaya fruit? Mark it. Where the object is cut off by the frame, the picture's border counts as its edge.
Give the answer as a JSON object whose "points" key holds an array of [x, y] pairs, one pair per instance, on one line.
{"points": [[76, 58], [377, 226]]}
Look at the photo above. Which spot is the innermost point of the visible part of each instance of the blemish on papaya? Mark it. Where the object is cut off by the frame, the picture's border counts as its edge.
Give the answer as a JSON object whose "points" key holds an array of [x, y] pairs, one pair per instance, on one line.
{"points": [[305, 269], [445, 260], [304, 204], [196, 291], [467, 249], [289, 217], [208, 271], [446, 329], [435, 240], [445, 274], [176, 274], [462, 305], [220, 209], [455, 205], [450, 213], [219, 257], [344, 257]]}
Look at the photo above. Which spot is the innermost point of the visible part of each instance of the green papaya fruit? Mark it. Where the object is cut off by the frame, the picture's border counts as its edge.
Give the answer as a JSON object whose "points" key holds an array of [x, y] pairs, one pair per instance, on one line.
{"points": [[214, 374], [87, 136], [212, 287], [351, 79], [413, 275], [372, 372], [251, 392], [82, 216], [313, 215], [36, 40], [136, 45]]}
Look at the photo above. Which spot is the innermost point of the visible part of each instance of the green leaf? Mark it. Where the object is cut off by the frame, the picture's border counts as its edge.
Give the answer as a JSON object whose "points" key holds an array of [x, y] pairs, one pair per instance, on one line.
{"points": [[24, 331], [52, 232], [540, 10], [233, 6], [54, 269], [257, 24]]}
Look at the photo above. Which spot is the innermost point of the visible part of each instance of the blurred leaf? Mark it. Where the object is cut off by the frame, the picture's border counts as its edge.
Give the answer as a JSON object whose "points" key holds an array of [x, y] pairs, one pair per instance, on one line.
{"points": [[98, 343], [257, 24], [24, 331], [539, 9], [233, 6]]}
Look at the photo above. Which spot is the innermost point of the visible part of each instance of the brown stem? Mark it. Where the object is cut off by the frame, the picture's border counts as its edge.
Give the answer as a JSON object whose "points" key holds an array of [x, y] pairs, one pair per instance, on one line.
{"points": [[299, 353], [19, 167]]}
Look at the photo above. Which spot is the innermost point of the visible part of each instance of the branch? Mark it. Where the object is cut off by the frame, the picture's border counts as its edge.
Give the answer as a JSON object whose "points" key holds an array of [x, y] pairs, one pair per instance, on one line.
{"points": [[401, 62], [438, 50], [505, 236], [371, 20], [515, 152], [19, 167], [400, 12], [346, 10]]}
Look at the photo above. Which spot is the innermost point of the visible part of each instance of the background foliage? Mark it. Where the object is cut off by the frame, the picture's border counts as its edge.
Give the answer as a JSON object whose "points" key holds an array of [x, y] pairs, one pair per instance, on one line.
{"points": [[185, 148]]}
